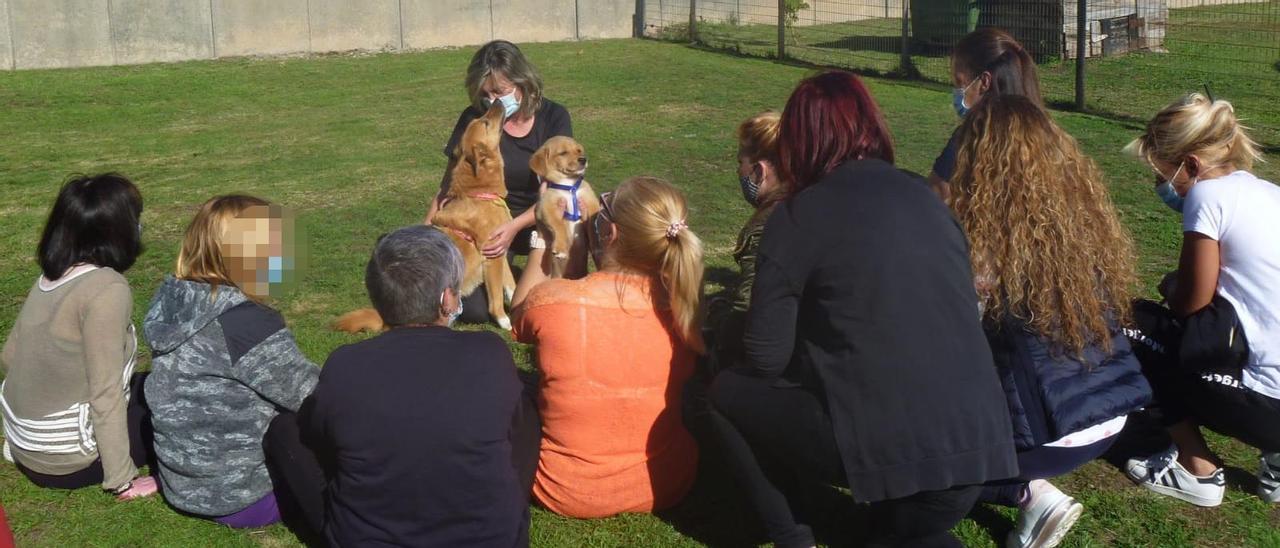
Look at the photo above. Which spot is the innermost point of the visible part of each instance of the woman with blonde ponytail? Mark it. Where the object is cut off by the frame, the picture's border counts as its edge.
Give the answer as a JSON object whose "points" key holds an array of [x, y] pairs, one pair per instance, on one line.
{"points": [[1219, 366], [615, 348]]}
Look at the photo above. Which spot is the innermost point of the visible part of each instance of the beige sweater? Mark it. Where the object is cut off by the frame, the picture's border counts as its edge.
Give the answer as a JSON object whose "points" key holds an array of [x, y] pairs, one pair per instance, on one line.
{"points": [[69, 346]]}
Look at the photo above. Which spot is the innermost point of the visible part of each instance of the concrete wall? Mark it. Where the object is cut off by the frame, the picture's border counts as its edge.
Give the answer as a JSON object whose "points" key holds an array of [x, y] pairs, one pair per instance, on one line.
{"points": [[75, 33]]}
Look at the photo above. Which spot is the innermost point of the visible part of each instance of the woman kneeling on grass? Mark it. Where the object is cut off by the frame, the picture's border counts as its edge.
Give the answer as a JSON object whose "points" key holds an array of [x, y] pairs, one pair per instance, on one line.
{"points": [[74, 414], [865, 364], [431, 441], [615, 349], [1054, 269], [223, 363], [1224, 373]]}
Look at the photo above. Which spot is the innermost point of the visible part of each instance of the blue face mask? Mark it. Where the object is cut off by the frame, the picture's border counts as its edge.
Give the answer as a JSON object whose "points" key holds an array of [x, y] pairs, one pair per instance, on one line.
{"points": [[1170, 196], [509, 104], [957, 102], [275, 270], [957, 98]]}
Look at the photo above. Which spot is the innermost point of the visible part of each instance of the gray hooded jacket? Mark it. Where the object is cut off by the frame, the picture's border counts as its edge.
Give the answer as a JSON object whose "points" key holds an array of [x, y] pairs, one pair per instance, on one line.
{"points": [[222, 367]]}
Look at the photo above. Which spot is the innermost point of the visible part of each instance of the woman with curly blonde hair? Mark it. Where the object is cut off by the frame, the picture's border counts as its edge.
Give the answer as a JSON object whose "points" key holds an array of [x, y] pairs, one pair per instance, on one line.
{"points": [[1054, 270]]}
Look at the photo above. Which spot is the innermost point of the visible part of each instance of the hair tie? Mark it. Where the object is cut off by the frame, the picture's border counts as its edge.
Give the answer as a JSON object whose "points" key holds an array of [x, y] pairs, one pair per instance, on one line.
{"points": [[675, 228]]}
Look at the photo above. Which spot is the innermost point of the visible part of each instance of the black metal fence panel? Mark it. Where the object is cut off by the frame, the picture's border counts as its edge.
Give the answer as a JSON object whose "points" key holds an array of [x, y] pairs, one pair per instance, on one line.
{"points": [[1139, 55]]}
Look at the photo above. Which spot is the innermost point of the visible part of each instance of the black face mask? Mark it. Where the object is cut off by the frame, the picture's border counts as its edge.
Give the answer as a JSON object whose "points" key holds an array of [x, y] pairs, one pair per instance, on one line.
{"points": [[750, 190]]}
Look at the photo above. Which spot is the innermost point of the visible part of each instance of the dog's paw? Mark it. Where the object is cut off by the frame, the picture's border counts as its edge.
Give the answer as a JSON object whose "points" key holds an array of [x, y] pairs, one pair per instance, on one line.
{"points": [[505, 323]]}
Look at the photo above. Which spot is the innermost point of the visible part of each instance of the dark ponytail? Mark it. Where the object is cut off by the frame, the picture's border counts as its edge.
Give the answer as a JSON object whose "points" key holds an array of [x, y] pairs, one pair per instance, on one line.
{"points": [[991, 50]]}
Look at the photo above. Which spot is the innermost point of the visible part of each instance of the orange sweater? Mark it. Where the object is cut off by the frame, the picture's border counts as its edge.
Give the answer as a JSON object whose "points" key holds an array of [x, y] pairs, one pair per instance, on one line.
{"points": [[612, 374]]}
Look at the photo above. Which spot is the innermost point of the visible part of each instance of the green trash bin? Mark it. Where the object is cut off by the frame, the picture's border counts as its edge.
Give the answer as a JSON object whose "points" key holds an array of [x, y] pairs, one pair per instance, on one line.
{"points": [[940, 23]]}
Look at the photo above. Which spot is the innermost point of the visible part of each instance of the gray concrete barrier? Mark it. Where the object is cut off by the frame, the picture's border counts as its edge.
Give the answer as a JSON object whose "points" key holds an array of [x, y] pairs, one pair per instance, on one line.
{"points": [[60, 33], [6, 41], [342, 25], [438, 23], [260, 27], [72, 33], [144, 31]]}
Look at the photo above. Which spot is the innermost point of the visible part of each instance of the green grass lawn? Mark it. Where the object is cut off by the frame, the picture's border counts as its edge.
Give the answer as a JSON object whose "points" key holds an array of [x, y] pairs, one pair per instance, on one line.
{"points": [[1233, 48], [354, 145]]}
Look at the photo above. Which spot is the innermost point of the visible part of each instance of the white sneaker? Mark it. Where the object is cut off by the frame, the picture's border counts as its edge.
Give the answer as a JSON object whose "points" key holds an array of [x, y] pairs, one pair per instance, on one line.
{"points": [[1269, 477], [1046, 518], [1162, 473]]}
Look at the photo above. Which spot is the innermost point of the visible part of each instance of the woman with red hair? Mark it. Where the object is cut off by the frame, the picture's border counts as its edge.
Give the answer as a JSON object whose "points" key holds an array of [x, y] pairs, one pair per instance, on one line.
{"points": [[866, 363]]}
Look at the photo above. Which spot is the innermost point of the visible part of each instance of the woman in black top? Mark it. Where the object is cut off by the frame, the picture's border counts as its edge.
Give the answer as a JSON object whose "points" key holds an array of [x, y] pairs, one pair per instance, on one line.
{"points": [[499, 72], [866, 363], [987, 62]]}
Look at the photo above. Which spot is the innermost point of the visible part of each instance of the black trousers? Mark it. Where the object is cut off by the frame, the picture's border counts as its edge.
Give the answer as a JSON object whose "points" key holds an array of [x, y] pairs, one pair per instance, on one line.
{"points": [[773, 433], [141, 450], [1213, 398], [298, 475], [1042, 463]]}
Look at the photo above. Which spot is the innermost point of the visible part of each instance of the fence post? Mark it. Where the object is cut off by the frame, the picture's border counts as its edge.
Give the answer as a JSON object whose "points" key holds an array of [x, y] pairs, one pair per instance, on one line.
{"points": [[904, 59], [782, 29], [1082, 28], [693, 21], [637, 21]]}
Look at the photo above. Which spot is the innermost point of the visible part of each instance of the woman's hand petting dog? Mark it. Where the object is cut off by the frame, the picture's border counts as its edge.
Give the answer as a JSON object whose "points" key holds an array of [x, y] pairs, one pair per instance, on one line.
{"points": [[500, 239]]}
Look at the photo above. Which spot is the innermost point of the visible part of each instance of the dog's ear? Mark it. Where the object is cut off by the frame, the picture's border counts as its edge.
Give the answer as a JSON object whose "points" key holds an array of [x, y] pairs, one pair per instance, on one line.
{"points": [[538, 162]]}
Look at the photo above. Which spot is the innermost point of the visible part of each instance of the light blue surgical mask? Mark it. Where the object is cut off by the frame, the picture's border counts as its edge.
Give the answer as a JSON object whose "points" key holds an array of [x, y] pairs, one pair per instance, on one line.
{"points": [[510, 105], [1169, 195], [275, 270], [957, 98]]}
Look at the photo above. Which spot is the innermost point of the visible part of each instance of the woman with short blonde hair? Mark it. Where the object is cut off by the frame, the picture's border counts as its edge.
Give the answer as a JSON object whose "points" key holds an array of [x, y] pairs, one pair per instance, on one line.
{"points": [[615, 349], [224, 364], [1226, 372]]}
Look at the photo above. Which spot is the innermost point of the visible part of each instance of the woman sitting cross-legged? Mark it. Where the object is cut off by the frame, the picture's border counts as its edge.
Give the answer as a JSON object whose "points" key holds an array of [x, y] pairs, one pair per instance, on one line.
{"points": [[1054, 269], [74, 414], [1220, 367], [224, 363], [866, 364], [428, 439], [615, 349]]}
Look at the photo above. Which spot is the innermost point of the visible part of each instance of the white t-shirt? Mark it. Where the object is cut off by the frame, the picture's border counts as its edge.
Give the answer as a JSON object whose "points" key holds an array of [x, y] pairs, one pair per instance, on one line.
{"points": [[1242, 213]]}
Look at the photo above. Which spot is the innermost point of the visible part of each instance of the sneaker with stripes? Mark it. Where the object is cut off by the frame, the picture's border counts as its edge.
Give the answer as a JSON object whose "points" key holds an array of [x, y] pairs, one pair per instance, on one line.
{"points": [[1162, 473], [1269, 477]]}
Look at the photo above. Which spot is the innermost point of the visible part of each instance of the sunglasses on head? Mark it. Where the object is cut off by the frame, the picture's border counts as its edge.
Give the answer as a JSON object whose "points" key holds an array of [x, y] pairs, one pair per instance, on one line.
{"points": [[606, 199]]}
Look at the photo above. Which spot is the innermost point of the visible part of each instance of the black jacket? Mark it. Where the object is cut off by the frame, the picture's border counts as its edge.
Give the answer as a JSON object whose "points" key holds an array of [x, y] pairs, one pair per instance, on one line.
{"points": [[414, 429], [863, 279], [1051, 394]]}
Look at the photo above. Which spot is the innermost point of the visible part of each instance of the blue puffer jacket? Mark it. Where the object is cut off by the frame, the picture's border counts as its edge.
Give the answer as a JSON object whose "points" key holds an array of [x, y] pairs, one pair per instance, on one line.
{"points": [[1051, 394]]}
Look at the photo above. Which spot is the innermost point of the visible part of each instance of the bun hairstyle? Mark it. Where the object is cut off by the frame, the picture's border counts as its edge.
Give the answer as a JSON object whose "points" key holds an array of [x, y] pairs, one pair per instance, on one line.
{"points": [[653, 237], [991, 50], [1201, 126]]}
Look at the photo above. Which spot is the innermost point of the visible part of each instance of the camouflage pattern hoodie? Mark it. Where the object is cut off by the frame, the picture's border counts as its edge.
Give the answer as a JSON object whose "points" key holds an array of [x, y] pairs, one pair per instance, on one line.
{"points": [[222, 367]]}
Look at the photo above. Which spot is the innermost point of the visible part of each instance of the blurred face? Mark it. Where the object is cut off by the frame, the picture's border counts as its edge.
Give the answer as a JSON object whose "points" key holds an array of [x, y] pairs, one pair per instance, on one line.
{"points": [[497, 86], [258, 249], [1177, 173]]}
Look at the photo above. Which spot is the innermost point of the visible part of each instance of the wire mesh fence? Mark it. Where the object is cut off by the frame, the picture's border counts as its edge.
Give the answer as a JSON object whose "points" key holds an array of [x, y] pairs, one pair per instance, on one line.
{"points": [[1139, 54]]}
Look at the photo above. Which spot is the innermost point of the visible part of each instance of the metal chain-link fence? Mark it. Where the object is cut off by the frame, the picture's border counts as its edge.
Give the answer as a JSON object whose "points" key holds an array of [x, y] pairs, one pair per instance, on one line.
{"points": [[1139, 54]]}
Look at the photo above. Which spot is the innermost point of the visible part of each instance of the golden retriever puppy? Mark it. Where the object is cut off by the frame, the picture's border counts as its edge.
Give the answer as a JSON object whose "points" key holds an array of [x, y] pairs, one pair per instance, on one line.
{"points": [[568, 199]]}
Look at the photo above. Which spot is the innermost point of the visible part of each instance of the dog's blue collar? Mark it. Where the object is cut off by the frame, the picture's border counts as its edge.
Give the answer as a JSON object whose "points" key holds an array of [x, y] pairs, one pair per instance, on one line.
{"points": [[572, 212]]}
